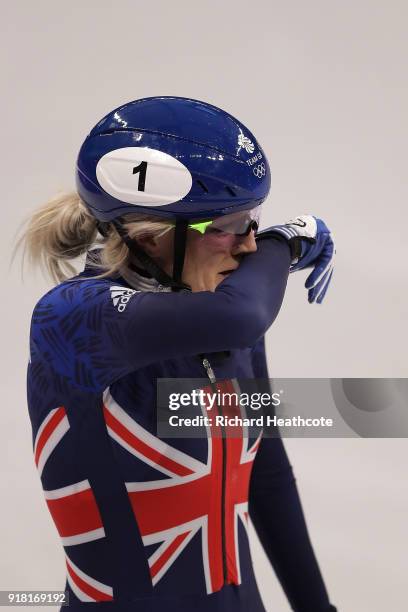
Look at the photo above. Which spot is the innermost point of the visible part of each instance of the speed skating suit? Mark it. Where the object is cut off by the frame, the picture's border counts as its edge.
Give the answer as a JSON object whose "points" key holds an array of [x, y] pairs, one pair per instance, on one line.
{"points": [[156, 524]]}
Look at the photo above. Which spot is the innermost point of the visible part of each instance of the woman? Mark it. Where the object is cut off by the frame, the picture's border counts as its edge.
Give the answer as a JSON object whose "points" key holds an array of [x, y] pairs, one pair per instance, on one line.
{"points": [[181, 288]]}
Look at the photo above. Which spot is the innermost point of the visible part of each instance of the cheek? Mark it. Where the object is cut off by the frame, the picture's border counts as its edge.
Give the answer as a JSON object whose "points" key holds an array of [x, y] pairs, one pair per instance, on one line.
{"points": [[218, 242], [209, 249]]}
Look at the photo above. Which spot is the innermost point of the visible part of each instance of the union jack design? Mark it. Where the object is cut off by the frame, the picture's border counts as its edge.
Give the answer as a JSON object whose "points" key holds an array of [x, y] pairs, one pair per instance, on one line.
{"points": [[190, 495], [75, 513], [85, 587], [50, 433], [73, 508]]}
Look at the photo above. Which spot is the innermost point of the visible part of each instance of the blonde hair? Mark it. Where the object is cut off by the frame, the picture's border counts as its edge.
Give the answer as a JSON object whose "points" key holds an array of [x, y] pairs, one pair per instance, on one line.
{"points": [[62, 229]]}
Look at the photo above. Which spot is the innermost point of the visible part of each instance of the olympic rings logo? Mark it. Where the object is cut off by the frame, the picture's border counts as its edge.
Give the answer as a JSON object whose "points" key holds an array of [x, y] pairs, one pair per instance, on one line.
{"points": [[259, 170]]}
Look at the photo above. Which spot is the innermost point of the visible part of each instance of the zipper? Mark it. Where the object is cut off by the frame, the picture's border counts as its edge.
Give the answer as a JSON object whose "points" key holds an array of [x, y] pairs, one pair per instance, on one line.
{"points": [[209, 370], [213, 380]]}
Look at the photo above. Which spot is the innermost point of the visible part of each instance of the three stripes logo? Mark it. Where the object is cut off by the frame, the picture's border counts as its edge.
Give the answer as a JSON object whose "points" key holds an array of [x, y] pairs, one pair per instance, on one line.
{"points": [[121, 296]]}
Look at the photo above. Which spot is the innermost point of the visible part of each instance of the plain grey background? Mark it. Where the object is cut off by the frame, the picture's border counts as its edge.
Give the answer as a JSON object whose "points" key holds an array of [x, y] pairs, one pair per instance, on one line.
{"points": [[323, 85]]}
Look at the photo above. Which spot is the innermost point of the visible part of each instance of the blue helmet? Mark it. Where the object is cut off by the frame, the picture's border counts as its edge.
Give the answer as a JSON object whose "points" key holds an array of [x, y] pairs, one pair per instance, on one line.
{"points": [[170, 157]]}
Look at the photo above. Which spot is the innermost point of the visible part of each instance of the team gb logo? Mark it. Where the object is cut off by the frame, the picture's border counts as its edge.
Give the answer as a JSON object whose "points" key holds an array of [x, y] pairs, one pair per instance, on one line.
{"points": [[246, 143]]}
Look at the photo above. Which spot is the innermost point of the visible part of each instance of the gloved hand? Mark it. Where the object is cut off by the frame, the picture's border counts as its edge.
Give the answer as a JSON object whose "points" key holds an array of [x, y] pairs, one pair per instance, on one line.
{"points": [[311, 245]]}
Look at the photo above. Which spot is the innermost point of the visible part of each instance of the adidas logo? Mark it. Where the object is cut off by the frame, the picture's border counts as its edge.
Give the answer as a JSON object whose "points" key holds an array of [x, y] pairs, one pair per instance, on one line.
{"points": [[120, 297]]}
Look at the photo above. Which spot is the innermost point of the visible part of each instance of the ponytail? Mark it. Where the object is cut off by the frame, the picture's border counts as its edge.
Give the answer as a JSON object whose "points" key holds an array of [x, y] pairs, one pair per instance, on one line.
{"points": [[63, 229], [59, 231]]}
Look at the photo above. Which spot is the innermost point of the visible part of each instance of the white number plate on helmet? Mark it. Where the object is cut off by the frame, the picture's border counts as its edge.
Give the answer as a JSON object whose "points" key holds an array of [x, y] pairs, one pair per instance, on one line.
{"points": [[139, 175]]}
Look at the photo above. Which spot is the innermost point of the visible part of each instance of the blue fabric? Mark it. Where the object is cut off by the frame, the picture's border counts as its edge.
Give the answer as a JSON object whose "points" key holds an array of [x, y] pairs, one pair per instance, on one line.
{"points": [[97, 350]]}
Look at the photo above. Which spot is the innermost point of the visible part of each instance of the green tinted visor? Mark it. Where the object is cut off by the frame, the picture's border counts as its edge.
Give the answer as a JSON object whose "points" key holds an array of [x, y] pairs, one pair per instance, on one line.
{"points": [[239, 223]]}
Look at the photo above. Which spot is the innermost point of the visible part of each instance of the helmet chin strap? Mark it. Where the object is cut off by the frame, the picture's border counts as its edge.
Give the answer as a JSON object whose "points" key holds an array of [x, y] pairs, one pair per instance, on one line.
{"points": [[180, 237], [179, 251]]}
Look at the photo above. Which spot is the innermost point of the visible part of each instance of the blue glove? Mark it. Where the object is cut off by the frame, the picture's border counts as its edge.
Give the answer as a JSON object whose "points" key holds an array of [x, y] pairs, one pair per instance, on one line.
{"points": [[311, 245]]}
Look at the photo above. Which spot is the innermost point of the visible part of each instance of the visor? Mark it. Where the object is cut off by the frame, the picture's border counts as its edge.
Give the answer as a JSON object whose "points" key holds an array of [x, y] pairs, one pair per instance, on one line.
{"points": [[239, 223]]}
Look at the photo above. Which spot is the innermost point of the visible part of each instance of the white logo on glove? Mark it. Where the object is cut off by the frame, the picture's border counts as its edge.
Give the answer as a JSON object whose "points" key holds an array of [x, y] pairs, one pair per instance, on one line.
{"points": [[307, 223]]}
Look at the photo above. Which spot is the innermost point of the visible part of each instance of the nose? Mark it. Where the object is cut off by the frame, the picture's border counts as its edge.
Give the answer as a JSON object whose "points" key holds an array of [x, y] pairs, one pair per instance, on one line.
{"points": [[244, 244]]}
